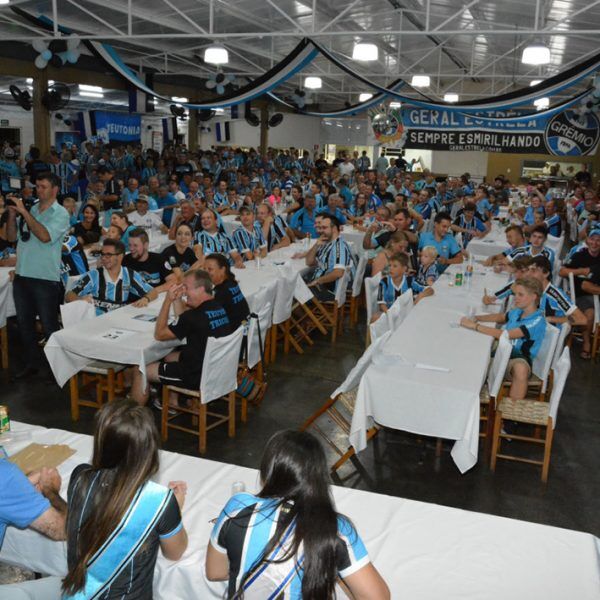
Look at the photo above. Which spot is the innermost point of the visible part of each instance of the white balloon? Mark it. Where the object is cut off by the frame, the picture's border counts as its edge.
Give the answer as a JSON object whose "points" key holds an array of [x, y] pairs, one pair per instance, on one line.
{"points": [[72, 42], [39, 45], [41, 62]]}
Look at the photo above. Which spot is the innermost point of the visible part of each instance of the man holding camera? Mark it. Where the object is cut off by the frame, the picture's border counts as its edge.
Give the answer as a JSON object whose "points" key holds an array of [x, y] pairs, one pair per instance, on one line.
{"points": [[39, 231]]}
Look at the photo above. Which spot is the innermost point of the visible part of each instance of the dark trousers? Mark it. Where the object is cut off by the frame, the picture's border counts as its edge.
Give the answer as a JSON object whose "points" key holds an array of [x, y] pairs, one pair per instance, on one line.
{"points": [[35, 297]]}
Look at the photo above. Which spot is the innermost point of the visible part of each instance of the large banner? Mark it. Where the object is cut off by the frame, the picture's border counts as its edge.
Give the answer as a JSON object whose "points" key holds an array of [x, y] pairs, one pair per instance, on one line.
{"points": [[116, 127], [563, 134]]}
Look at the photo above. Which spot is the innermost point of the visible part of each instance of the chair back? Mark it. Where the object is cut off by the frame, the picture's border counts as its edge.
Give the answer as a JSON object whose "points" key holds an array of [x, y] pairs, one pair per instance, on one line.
{"points": [[572, 286], [379, 327], [342, 288], [459, 239], [353, 378], [284, 299], [400, 309], [561, 372], [371, 289], [73, 313], [573, 227], [542, 363], [564, 331], [220, 366], [264, 321], [499, 364], [556, 278], [596, 310], [359, 275]]}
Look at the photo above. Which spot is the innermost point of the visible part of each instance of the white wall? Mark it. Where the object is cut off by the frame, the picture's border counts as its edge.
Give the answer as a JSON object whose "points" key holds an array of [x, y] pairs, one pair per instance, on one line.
{"points": [[457, 163], [17, 117]]}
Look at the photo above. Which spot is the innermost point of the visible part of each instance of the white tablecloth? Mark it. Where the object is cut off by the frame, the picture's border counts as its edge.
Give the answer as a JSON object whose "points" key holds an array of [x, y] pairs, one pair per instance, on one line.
{"points": [[7, 303], [493, 243], [423, 551], [439, 404]]}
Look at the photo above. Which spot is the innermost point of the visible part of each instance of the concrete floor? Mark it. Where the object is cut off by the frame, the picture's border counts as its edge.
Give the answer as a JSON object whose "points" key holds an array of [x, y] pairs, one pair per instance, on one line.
{"points": [[396, 463]]}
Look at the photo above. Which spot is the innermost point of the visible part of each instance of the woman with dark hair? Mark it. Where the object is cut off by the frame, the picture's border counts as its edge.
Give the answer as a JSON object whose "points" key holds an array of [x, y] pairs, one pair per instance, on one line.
{"points": [[88, 230], [180, 256], [288, 541], [226, 289], [119, 218], [117, 517]]}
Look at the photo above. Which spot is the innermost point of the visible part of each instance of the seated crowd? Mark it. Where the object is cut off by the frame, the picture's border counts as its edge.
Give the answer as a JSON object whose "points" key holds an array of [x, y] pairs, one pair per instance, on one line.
{"points": [[113, 204]]}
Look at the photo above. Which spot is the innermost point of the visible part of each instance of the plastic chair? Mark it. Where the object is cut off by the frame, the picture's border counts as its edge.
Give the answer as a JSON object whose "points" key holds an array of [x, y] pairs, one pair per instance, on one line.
{"points": [[339, 408], [218, 379], [267, 294], [106, 376], [380, 327], [532, 412], [371, 289]]}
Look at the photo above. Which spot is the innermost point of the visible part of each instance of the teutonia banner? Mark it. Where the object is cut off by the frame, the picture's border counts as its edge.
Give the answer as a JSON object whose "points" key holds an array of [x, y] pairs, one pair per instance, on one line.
{"points": [[563, 134]]}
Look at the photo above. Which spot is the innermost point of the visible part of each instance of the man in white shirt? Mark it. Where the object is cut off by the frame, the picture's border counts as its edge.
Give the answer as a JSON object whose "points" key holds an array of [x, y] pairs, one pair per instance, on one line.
{"points": [[346, 168], [142, 217]]}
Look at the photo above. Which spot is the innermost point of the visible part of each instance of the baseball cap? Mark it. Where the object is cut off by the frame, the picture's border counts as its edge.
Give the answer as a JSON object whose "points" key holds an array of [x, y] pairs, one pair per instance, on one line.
{"points": [[142, 198]]}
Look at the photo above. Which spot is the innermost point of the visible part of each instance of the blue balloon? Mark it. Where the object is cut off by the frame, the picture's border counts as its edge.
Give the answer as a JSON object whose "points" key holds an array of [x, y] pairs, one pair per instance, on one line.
{"points": [[46, 55], [72, 56]]}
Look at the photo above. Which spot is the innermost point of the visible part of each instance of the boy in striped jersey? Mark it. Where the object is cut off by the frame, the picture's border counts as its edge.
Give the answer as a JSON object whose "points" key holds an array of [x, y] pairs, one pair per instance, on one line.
{"points": [[248, 239]]}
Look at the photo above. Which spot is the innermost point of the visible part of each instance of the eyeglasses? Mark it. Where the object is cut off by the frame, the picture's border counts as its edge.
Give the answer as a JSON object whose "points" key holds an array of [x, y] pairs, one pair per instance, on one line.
{"points": [[103, 254]]}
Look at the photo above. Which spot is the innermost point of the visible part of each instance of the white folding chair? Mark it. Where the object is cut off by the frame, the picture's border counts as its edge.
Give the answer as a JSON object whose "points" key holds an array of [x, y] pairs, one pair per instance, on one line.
{"points": [[400, 309], [542, 363], [492, 390], [371, 290], [267, 294], [596, 330], [339, 408], [564, 331], [103, 375], [282, 315], [357, 285], [572, 286], [379, 327], [218, 379], [532, 412]]}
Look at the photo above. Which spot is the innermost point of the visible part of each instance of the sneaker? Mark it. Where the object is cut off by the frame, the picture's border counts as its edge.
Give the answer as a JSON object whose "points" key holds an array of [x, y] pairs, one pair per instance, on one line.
{"points": [[157, 403]]}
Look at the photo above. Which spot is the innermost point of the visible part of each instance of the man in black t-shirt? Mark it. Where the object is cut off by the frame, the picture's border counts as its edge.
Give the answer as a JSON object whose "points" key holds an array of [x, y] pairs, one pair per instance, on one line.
{"points": [[198, 318], [153, 268]]}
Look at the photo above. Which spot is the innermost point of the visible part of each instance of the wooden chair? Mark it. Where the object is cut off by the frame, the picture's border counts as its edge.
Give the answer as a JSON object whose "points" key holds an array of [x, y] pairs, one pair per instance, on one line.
{"points": [[331, 314], [535, 413], [101, 376], [339, 408], [253, 362], [218, 380], [492, 390]]}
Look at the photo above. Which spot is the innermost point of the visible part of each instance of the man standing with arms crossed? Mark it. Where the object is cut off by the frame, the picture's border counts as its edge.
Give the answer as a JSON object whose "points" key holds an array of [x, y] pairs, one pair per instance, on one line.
{"points": [[39, 235]]}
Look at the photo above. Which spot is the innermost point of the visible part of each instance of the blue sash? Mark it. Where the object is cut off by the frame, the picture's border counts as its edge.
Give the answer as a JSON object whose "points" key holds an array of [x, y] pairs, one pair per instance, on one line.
{"points": [[118, 550]]}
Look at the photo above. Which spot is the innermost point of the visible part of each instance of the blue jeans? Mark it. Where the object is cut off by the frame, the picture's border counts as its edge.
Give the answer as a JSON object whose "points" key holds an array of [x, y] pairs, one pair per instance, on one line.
{"points": [[35, 297]]}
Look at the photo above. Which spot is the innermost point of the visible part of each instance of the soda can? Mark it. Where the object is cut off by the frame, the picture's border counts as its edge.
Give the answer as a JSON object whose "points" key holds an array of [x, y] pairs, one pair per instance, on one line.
{"points": [[458, 280], [4, 419]]}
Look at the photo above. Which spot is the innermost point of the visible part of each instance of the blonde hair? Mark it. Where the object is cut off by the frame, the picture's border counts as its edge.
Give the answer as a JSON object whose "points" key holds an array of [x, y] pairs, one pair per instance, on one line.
{"points": [[533, 286], [431, 251]]}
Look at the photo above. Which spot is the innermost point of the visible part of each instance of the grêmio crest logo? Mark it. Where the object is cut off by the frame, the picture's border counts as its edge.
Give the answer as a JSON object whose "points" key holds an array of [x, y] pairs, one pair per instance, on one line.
{"points": [[570, 134]]}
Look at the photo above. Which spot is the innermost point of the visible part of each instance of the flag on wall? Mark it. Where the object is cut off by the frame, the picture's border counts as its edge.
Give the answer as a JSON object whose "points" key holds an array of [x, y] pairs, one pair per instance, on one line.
{"points": [[222, 131]]}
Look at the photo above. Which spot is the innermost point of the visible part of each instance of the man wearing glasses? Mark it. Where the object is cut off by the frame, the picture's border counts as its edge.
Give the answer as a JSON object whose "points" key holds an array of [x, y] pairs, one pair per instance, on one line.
{"points": [[39, 233], [113, 285]]}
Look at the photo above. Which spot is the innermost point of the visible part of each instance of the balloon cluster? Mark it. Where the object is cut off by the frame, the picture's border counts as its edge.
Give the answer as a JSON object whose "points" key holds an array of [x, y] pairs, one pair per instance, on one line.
{"points": [[591, 102], [219, 81], [57, 52]]}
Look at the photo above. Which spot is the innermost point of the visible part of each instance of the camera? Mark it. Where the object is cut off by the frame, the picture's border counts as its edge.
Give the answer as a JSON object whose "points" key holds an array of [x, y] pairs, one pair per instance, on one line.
{"points": [[27, 203]]}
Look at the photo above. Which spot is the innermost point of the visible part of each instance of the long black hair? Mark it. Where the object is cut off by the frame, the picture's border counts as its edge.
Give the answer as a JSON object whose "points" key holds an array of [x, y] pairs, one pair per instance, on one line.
{"points": [[223, 263], [294, 470], [125, 457]]}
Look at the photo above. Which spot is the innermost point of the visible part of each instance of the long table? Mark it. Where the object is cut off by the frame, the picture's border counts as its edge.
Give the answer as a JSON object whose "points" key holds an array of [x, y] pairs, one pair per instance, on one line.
{"points": [[493, 243], [73, 348], [423, 551], [443, 404]]}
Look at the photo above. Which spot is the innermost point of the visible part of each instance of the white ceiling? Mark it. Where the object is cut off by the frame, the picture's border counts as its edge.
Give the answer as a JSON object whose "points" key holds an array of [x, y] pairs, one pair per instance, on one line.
{"points": [[472, 48]]}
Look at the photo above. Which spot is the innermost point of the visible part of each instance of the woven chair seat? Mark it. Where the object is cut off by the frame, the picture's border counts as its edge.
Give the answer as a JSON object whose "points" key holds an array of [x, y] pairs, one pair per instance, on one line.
{"points": [[525, 411], [180, 390], [484, 395], [100, 367], [348, 400]]}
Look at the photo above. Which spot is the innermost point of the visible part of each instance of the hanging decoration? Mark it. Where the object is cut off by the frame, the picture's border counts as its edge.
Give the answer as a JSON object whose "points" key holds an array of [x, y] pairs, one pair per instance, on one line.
{"points": [[591, 102], [57, 52], [299, 98], [219, 81]]}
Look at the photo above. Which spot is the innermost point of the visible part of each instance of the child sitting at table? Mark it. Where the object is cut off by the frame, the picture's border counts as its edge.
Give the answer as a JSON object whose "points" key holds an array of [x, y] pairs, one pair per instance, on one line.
{"points": [[70, 205], [396, 283], [428, 267]]}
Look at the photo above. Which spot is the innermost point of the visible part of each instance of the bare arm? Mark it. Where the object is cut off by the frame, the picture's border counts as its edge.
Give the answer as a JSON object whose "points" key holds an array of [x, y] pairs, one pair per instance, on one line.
{"points": [[40, 232], [590, 288], [367, 584], [161, 329], [217, 565], [327, 277], [52, 522]]}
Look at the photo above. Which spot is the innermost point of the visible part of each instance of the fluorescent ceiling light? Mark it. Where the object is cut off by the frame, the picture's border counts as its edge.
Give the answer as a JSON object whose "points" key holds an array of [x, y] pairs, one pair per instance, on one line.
{"points": [[29, 80], [219, 110], [420, 81], [365, 52], [450, 97], [91, 94], [395, 104], [313, 83], [536, 54], [90, 88], [179, 99], [216, 55], [535, 82], [541, 103], [4, 2], [364, 97]]}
